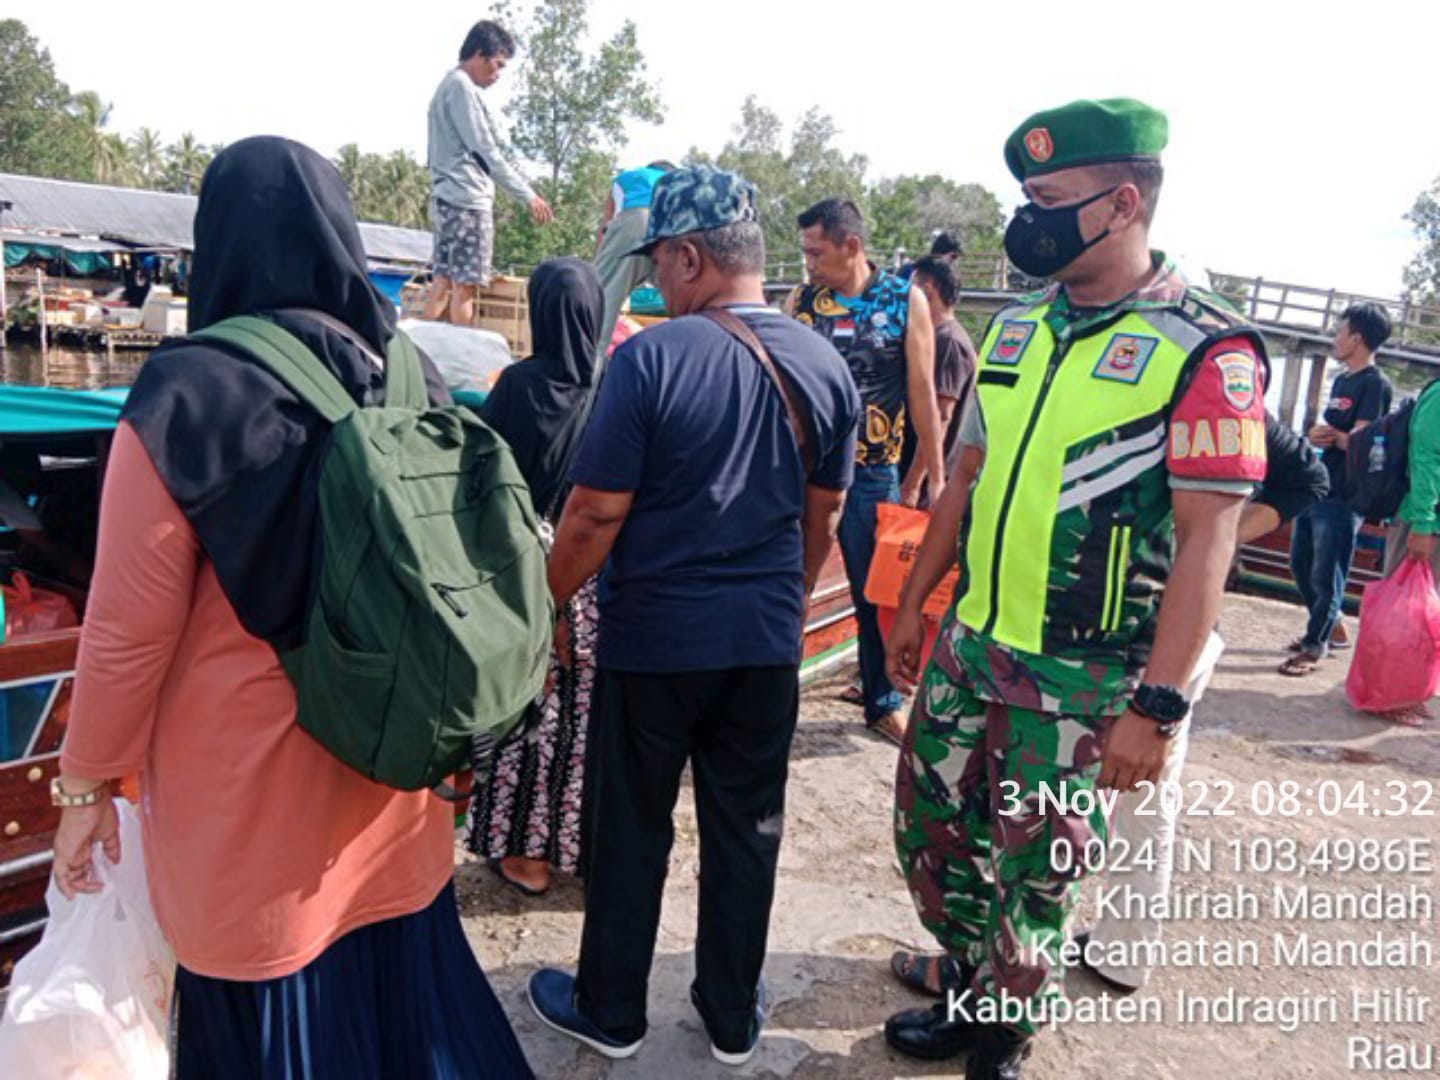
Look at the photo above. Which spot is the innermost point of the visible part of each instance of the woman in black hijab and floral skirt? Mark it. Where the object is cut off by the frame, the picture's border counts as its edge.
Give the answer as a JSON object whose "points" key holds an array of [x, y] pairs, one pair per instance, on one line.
{"points": [[526, 817]]}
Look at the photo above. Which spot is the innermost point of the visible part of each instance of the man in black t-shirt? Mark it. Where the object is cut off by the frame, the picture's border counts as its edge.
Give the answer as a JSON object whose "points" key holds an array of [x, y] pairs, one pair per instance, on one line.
{"points": [[954, 370], [1323, 542]]}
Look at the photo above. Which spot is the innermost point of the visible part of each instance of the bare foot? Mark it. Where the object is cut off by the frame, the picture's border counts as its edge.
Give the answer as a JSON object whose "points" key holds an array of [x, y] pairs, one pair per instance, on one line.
{"points": [[1414, 716], [533, 874], [1339, 636]]}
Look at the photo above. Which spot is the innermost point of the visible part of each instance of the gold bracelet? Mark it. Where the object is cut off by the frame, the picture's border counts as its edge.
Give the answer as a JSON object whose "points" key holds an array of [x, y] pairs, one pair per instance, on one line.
{"points": [[66, 801]]}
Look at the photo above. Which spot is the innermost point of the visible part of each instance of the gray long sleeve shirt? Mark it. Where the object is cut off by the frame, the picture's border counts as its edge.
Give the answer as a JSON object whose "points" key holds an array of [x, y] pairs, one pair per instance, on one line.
{"points": [[461, 137]]}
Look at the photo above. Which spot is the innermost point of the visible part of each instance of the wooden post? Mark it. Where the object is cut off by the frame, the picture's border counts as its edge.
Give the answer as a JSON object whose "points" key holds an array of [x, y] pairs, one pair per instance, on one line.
{"points": [[40, 286], [1255, 297], [1315, 390], [1329, 307], [1290, 387], [4, 305]]}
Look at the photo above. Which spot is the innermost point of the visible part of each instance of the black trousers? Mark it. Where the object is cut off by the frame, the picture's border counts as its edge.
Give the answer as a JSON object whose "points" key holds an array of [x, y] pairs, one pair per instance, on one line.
{"points": [[734, 727]]}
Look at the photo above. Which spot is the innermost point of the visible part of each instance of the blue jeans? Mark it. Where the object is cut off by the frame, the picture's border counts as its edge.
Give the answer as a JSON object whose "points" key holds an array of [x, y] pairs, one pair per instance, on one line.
{"points": [[874, 484], [1321, 548]]}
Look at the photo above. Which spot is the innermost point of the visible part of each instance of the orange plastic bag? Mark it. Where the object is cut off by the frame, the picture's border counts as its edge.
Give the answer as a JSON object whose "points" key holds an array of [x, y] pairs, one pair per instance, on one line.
{"points": [[30, 610], [898, 533]]}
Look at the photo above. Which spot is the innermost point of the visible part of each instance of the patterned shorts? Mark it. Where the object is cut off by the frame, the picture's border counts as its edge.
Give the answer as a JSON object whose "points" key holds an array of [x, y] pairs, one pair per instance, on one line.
{"points": [[464, 242]]}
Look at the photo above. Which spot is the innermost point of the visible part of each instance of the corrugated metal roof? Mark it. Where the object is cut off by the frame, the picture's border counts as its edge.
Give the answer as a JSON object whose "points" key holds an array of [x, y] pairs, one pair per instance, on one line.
{"points": [[152, 218], [64, 243]]}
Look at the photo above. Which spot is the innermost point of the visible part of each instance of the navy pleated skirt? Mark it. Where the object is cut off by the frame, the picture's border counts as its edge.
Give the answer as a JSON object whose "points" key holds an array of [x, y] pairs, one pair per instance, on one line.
{"points": [[403, 999]]}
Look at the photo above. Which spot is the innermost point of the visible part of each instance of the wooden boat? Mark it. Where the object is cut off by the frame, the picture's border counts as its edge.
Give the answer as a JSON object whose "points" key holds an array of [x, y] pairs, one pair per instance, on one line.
{"points": [[68, 433], [1265, 565]]}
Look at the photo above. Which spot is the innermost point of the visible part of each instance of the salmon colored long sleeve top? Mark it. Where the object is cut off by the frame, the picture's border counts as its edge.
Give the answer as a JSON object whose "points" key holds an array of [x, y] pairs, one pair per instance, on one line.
{"points": [[261, 848]]}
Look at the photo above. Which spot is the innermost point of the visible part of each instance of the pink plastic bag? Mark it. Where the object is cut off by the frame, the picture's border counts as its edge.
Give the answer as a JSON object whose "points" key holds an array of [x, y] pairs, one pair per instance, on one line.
{"points": [[1397, 658]]}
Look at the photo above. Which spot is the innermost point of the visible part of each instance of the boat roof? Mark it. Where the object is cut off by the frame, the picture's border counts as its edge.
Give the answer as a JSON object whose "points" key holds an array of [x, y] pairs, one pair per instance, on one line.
{"points": [[40, 207], [49, 410]]}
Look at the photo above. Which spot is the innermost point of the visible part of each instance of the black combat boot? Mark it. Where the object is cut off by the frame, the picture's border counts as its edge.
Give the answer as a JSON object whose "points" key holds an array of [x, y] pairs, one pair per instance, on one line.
{"points": [[996, 1053], [931, 1034]]}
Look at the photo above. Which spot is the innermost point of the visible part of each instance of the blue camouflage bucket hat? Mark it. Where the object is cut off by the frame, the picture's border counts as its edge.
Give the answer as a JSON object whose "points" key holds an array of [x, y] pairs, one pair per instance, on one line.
{"points": [[697, 199]]}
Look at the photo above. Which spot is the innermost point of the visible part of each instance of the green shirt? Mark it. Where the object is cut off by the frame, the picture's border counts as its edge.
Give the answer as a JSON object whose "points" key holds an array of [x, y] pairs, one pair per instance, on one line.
{"points": [[1418, 509]]}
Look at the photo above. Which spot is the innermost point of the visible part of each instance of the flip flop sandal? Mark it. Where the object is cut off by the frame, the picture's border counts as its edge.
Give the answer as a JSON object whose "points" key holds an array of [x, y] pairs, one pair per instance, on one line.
{"points": [[852, 695], [887, 731], [1299, 665], [924, 973], [519, 886]]}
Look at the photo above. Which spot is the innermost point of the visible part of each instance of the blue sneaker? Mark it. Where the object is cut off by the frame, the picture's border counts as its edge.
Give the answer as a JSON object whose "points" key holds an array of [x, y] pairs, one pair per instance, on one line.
{"points": [[737, 1055], [552, 996]]}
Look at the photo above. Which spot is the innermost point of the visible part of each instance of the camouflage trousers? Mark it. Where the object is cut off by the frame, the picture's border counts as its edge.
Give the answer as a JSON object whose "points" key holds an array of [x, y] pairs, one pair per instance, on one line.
{"points": [[984, 882]]}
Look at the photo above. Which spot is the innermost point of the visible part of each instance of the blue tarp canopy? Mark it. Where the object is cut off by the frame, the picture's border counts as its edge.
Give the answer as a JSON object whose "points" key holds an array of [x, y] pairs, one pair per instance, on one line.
{"points": [[40, 410]]}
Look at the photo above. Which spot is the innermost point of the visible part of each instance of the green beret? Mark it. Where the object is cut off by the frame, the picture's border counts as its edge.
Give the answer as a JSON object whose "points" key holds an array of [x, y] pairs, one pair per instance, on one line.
{"points": [[1086, 133]]}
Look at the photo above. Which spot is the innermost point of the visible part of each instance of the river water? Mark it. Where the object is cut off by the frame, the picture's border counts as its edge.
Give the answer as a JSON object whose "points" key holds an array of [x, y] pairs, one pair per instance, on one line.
{"points": [[21, 364]]}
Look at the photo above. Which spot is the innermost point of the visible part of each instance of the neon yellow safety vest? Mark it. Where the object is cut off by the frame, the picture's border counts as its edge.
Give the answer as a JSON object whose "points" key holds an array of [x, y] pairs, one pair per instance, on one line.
{"points": [[1069, 532]]}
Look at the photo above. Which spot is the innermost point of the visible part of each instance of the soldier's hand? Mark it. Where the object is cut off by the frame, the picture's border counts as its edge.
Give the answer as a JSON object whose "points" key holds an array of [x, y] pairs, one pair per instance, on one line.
{"points": [[902, 650], [1134, 751]]}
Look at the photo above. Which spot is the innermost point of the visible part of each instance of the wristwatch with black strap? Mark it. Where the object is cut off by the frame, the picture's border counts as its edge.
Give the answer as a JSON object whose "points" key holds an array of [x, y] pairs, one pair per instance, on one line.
{"points": [[1165, 705]]}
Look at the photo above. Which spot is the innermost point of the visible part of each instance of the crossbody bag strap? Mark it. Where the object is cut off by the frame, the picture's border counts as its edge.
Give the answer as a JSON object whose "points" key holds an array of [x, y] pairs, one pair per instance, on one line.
{"points": [[739, 329]]}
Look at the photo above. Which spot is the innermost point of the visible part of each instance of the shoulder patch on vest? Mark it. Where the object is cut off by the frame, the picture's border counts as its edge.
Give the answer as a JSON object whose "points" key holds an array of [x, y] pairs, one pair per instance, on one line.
{"points": [[1125, 357], [1237, 370], [1014, 339]]}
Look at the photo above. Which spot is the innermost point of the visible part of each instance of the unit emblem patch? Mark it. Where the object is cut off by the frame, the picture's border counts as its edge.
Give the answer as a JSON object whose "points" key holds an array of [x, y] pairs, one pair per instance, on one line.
{"points": [[1014, 339], [1124, 359]]}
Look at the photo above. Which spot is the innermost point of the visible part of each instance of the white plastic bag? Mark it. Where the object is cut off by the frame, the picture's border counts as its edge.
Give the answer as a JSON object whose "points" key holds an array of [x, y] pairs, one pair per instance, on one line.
{"points": [[467, 357], [92, 999]]}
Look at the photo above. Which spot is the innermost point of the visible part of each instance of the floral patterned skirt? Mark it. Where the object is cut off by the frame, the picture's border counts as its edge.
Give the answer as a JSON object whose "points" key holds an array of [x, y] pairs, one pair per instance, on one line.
{"points": [[530, 808]]}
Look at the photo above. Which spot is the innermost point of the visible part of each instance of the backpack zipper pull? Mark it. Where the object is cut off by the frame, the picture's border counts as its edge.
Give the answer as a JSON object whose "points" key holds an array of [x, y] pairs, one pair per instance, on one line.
{"points": [[447, 597]]}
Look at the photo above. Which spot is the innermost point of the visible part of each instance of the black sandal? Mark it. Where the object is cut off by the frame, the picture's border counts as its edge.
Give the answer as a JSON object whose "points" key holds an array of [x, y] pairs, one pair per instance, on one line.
{"points": [[1300, 665], [519, 886]]}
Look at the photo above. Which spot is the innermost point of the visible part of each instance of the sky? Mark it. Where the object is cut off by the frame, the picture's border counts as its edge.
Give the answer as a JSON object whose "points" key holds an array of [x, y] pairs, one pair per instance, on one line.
{"points": [[1300, 133]]}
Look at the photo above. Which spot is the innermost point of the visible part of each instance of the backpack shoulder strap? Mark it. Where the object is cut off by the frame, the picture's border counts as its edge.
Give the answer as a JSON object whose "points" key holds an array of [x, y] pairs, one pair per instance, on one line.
{"points": [[404, 379], [739, 329], [288, 359]]}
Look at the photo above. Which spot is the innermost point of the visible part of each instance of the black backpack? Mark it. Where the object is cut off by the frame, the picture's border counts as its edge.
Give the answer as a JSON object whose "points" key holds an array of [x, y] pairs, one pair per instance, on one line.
{"points": [[1377, 463]]}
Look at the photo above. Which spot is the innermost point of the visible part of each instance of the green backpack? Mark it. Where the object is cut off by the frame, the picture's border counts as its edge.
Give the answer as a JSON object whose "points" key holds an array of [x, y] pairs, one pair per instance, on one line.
{"points": [[431, 621]]}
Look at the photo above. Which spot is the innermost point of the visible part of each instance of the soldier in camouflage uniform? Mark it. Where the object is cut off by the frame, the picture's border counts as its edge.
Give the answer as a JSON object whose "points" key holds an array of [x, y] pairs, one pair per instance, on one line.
{"points": [[1116, 429]]}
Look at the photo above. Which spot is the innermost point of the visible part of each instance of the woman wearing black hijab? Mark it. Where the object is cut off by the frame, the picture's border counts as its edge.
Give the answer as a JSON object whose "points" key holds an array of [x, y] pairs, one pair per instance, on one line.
{"points": [[312, 911], [527, 817]]}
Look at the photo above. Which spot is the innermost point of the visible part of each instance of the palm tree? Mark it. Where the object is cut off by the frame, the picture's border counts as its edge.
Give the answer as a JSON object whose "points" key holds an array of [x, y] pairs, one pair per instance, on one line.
{"points": [[100, 145], [352, 165], [404, 190], [187, 160], [149, 155], [113, 164]]}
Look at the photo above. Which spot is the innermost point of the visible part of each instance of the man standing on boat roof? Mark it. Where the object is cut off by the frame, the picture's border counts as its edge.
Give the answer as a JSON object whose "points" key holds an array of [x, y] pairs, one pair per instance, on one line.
{"points": [[466, 163], [1116, 430]]}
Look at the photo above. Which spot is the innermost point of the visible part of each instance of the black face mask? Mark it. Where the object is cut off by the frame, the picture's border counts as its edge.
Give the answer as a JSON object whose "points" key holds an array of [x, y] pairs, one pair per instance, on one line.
{"points": [[1041, 240]]}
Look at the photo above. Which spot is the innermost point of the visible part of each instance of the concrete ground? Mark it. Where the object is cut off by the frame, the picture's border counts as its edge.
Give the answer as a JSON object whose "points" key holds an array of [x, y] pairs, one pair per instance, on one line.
{"points": [[842, 907]]}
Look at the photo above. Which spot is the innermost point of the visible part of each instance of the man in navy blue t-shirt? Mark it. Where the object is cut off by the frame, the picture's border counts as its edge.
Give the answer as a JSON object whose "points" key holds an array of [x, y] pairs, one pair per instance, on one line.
{"points": [[691, 483]]}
